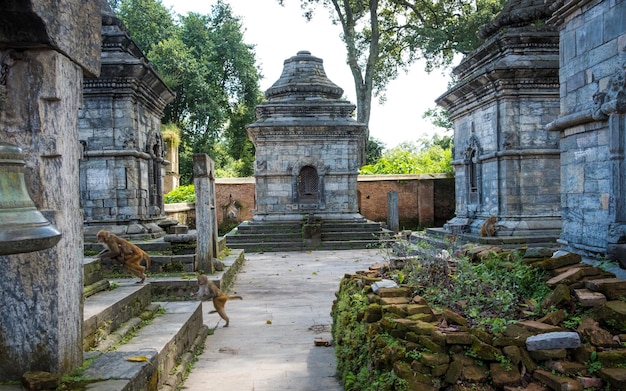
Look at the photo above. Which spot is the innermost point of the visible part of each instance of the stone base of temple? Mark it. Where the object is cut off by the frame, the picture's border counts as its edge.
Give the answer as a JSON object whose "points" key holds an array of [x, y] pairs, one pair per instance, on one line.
{"points": [[130, 231]]}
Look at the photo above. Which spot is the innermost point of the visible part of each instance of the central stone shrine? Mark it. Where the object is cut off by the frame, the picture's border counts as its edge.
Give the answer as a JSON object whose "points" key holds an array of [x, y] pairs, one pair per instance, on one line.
{"points": [[309, 150]]}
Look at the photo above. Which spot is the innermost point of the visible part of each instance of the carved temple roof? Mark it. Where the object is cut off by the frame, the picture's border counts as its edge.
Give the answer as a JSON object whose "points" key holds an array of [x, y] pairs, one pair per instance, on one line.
{"points": [[303, 77], [517, 13]]}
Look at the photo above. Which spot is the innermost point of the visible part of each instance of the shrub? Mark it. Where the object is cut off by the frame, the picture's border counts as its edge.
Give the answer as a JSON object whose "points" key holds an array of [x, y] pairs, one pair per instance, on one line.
{"points": [[181, 194]]}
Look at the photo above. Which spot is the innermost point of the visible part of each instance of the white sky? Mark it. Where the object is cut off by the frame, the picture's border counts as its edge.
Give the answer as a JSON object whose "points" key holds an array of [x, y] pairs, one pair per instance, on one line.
{"points": [[278, 33]]}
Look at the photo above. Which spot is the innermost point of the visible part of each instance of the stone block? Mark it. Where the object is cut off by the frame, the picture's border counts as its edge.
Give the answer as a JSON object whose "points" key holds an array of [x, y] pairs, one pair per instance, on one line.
{"points": [[504, 375], [556, 382], [614, 377], [587, 298], [554, 340]]}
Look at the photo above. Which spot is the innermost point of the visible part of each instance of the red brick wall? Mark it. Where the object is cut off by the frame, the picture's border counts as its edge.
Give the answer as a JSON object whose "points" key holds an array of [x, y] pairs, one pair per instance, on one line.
{"points": [[423, 200]]}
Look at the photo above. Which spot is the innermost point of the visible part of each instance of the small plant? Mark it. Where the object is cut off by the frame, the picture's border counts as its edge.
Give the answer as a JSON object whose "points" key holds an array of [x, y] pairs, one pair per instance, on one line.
{"points": [[593, 365]]}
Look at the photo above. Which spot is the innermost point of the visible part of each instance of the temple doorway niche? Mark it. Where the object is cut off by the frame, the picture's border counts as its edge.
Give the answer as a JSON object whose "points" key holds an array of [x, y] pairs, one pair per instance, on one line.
{"points": [[473, 174], [308, 185]]}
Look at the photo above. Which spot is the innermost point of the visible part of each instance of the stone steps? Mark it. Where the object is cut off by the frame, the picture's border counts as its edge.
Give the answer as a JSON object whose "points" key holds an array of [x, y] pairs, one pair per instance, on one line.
{"points": [[148, 358], [290, 236], [143, 336]]}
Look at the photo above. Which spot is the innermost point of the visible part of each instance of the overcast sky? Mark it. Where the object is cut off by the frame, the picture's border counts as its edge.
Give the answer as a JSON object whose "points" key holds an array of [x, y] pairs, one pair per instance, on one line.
{"points": [[278, 33]]}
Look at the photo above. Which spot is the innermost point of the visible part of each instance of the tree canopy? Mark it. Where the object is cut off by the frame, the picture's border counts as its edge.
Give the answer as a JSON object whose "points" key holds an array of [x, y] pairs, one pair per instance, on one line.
{"points": [[205, 60], [384, 37]]}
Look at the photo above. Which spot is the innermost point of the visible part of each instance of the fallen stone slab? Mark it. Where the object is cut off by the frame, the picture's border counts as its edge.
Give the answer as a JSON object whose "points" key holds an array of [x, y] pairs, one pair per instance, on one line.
{"points": [[556, 382], [554, 340], [587, 298]]}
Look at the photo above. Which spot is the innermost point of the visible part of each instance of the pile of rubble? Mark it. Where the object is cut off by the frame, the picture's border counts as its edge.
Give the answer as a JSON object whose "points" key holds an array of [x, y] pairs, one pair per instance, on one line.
{"points": [[434, 349]]}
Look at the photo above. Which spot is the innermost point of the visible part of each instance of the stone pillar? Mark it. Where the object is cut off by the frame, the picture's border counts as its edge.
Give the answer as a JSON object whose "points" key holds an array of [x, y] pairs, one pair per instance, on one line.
{"points": [[392, 211], [172, 174], [426, 202], [41, 305], [206, 219]]}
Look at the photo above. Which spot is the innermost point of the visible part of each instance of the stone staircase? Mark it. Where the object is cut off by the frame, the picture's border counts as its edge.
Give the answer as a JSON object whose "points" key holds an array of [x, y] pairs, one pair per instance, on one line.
{"points": [[141, 337], [261, 236]]}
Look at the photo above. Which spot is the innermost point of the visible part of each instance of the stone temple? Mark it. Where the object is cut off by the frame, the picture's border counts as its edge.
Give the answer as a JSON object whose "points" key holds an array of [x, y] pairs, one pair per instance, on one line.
{"points": [[308, 147], [309, 150]]}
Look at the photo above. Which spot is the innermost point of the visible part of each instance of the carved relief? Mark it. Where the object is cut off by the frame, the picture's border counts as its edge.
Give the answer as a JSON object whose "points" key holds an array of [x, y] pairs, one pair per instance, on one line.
{"points": [[613, 100]]}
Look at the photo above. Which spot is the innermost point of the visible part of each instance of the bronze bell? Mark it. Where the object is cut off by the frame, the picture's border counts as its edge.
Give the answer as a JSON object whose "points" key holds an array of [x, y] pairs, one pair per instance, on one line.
{"points": [[22, 227]]}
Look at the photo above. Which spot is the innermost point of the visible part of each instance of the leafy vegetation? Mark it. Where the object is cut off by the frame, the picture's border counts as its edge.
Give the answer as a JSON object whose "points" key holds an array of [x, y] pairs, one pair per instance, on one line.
{"points": [[181, 194], [489, 293], [213, 72], [407, 158], [383, 38]]}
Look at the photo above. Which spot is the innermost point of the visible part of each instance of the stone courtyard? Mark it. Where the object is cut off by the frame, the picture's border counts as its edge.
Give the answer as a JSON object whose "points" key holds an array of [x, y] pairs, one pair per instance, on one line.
{"points": [[539, 115]]}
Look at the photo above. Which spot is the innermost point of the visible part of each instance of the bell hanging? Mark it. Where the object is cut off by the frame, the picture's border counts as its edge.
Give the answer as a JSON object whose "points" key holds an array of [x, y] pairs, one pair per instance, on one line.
{"points": [[22, 227]]}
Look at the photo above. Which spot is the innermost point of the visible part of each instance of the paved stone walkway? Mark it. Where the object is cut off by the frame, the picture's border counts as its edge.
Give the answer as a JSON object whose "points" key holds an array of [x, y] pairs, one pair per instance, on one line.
{"points": [[269, 344]]}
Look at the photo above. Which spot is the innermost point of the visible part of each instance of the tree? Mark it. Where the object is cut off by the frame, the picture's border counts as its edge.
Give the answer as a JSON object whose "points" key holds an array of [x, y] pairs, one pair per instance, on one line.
{"points": [[375, 149], [383, 37], [424, 157], [204, 59]]}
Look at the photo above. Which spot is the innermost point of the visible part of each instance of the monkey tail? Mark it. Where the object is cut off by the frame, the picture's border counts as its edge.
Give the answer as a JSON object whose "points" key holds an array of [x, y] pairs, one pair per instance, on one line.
{"points": [[147, 258]]}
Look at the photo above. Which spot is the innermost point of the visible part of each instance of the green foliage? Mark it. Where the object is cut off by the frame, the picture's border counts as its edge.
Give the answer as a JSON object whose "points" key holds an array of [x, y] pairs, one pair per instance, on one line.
{"points": [[350, 336], [400, 33], [375, 149], [402, 160], [439, 117], [180, 194], [213, 72], [487, 293]]}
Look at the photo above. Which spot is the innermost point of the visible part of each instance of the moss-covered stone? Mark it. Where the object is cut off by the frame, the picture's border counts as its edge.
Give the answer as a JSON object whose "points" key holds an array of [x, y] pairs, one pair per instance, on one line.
{"points": [[556, 382], [374, 313], [475, 373], [459, 338], [513, 353], [485, 351], [430, 345], [614, 377], [434, 359], [554, 317], [612, 358], [504, 375], [557, 262], [455, 369], [422, 328], [559, 297], [551, 354], [453, 318], [396, 310], [613, 315]]}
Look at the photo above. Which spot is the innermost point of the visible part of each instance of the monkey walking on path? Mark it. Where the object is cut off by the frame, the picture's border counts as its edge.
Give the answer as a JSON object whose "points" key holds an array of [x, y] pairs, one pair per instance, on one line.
{"points": [[207, 287], [124, 252]]}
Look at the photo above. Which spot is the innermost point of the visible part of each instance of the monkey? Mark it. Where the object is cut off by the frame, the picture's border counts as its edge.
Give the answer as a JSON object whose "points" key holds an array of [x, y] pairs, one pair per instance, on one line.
{"points": [[124, 252], [489, 227], [208, 287]]}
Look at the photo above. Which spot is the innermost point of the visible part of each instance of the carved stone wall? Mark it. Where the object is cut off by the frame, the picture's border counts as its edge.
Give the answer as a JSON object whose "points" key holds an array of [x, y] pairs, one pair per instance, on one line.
{"points": [[506, 163], [123, 163], [45, 49], [592, 124]]}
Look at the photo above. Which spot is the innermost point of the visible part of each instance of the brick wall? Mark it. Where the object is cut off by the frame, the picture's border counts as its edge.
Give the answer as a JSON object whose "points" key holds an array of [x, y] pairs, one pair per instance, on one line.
{"points": [[423, 200]]}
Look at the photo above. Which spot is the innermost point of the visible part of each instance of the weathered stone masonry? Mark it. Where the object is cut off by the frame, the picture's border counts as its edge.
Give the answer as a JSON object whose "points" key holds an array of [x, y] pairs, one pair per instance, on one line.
{"points": [[123, 163], [592, 124]]}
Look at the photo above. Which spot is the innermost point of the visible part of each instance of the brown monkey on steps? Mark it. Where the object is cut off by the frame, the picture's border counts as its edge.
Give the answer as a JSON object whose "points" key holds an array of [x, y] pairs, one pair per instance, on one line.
{"points": [[124, 252], [489, 227], [206, 286]]}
